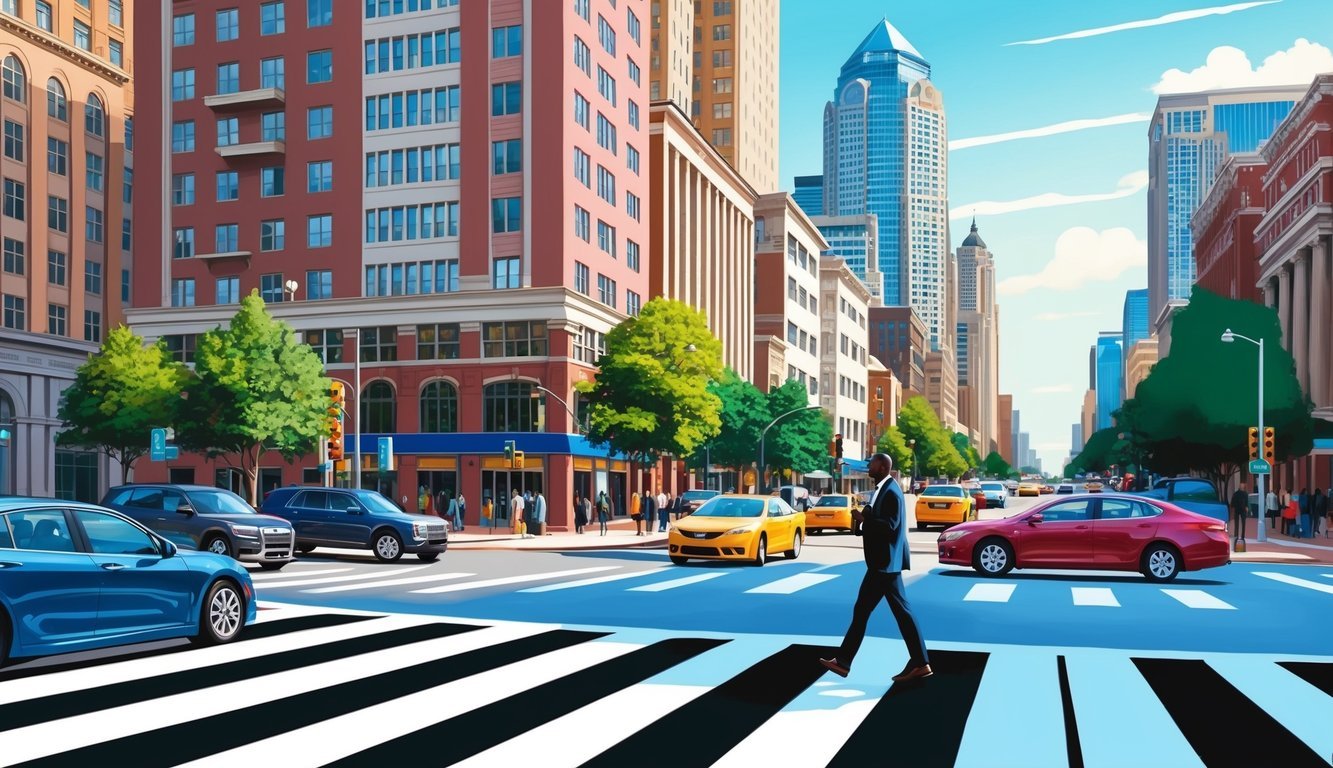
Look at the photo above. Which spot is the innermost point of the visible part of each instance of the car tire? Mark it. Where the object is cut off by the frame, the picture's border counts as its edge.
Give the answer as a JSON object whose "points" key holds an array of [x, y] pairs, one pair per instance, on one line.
{"points": [[272, 566], [387, 546], [678, 560], [218, 545], [795, 550], [920, 527], [1161, 562], [5, 639], [305, 549], [428, 557], [761, 551], [222, 615], [993, 557]]}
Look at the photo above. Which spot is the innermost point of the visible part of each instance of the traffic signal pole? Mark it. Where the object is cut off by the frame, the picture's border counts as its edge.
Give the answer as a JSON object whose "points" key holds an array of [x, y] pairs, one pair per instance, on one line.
{"points": [[1263, 478]]}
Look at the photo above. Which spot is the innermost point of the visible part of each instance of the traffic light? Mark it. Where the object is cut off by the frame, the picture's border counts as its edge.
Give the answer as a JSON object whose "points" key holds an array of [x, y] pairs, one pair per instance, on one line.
{"points": [[518, 459], [1270, 442], [509, 451], [338, 396], [1254, 443], [837, 445]]}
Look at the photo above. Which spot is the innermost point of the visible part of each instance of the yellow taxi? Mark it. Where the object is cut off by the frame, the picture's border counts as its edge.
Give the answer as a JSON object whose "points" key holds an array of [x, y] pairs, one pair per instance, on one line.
{"points": [[944, 505], [1029, 489], [1092, 486], [833, 512], [738, 527]]}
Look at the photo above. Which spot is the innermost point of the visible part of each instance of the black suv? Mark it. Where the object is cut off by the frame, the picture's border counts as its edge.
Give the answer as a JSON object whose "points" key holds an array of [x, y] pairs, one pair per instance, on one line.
{"points": [[357, 519], [204, 518]]}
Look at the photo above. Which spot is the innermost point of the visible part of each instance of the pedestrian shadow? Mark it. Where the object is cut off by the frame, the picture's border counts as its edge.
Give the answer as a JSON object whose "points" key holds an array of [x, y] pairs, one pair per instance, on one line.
{"points": [[1128, 578]]}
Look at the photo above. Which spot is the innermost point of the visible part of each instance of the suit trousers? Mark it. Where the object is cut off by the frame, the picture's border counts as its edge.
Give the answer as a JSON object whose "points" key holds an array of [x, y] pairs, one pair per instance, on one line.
{"points": [[889, 587]]}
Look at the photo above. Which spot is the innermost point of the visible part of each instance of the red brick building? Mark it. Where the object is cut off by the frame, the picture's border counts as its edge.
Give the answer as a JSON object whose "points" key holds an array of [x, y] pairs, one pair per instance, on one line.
{"points": [[1224, 250]]}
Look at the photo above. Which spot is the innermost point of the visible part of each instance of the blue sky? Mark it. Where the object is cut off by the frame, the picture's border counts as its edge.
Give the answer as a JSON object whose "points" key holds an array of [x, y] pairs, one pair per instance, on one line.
{"points": [[1067, 266]]}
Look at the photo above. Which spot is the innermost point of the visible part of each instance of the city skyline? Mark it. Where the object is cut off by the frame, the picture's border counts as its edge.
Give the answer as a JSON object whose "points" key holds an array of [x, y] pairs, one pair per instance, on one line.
{"points": [[1013, 140]]}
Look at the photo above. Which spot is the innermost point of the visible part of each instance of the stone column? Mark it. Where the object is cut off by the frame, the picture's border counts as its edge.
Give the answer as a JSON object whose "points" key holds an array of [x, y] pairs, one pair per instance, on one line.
{"points": [[1269, 292], [1321, 318], [1300, 318], [1284, 303]]}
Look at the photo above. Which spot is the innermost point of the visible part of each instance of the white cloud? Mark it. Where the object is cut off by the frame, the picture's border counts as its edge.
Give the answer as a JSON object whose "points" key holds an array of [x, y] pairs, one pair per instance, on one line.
{"points": [[1083, 255], [1052, 389], [1170, 18], [1128, 185], [1051, 317], [1050, 130], [1228, 67]]}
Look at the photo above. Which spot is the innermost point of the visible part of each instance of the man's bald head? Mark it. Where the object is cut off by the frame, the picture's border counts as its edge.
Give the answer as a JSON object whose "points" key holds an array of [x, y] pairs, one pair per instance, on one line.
{"points": [[880, 465]]}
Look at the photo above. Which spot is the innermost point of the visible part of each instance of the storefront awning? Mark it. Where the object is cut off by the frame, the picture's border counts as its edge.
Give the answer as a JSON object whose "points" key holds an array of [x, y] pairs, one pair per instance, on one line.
{"points": [[425, 444]]}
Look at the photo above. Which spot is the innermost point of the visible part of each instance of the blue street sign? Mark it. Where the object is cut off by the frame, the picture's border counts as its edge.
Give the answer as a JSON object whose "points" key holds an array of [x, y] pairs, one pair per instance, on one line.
{"points": [[1260, 467], [325, 466], [157, 445], [172, 453], [386, 454]]}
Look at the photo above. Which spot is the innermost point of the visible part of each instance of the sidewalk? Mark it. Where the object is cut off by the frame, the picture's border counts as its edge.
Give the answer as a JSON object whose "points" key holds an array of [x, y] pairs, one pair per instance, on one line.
{"points": [[620, 535], [1284, 549]]}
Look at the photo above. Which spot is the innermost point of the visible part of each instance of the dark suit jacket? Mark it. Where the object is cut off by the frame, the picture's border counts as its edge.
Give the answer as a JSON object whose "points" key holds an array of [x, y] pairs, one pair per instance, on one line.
{"points": [[883, 538]]}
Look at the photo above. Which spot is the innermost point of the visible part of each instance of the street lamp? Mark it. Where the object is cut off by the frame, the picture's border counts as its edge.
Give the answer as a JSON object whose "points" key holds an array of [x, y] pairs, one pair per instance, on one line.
{"points": [[912, 444], [291, 287], [1228, 337], [549, 393], [764, 434]]}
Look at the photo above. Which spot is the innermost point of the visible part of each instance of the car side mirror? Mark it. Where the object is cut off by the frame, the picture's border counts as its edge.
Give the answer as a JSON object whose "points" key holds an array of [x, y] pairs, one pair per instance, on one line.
{"points": [[1035, 518], [168, 548], [185, 509]]}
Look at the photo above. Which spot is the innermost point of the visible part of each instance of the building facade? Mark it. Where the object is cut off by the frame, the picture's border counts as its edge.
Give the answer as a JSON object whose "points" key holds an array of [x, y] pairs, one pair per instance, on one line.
{"points": [[1134, 323], [930, 268], [1139, 360], [1076, 439], [898, 340], [886, 400], [1110, 376], [854, 239], [1223, 229], [942, 388], [787, 293], [978, 341], [809, 194], [843, 318], [67, 109], [1004, 430], [672, 62], [425, 288]]}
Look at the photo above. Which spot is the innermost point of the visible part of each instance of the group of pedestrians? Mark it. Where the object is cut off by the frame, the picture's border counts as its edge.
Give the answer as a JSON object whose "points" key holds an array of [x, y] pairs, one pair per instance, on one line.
{"points": [[1303, 515], [443, 504], [527, 513], [585, 507], [648, 507]]}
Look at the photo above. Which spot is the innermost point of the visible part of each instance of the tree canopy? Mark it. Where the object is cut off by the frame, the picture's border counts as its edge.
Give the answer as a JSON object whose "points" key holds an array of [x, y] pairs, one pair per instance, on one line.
{"points": [[743, 414], [995, 466], [968, 452], [895, 445], [799, 442], [935, 451]]}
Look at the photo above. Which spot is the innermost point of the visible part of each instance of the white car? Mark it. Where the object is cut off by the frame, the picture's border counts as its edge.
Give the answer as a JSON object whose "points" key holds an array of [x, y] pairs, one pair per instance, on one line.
{"points": [[1012, 485]]}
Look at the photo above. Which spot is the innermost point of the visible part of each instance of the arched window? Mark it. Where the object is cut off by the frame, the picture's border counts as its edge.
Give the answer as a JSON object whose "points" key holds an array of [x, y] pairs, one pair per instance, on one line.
{"points": [[378, 408], [16, 83], [439, 407], [57, 105], [508, 406], [94, 117]]}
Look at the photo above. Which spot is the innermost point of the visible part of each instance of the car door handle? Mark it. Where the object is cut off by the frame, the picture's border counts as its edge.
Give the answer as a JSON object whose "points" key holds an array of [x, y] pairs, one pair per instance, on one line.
{"points": [[1080, 527], [11, 565], [112, 566]]}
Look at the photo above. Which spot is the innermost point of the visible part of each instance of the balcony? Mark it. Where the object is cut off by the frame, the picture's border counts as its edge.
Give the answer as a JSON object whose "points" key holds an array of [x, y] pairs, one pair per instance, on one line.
{"points": [[260, 97], [224, 255], [253, 148]]}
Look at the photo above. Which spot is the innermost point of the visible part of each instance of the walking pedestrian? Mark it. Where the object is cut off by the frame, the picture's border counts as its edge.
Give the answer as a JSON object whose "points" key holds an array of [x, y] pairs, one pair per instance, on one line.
{"points": [[1289, 511], [516, 508], [663, 511], [539, 513], [603, 511], [1318, 511], [1304, 499], [425, 505], [452, 511], [580, 514], [1240, 505], [462, 511], [883, 532], [635, 512], [1272, 509], [649, 510], [487, 509]]}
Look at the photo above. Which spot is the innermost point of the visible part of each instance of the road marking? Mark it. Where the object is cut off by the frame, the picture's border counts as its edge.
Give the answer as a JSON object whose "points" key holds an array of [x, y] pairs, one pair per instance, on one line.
{"points": [[792, 584], [663, 586], [1094, 596], [388, 583], [1111, 699], [1197, 598], [511, 580], [371, 574], [1295, 582], [1299, 706], [990, 593], [1016, 681], [297, 574], [594, 580]]}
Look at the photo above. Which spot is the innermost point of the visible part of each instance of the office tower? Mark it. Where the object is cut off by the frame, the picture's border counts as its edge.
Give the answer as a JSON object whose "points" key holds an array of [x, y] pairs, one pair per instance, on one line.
{"points": [[854, 240], [809, 194], [978, 346], [1110, 375]]}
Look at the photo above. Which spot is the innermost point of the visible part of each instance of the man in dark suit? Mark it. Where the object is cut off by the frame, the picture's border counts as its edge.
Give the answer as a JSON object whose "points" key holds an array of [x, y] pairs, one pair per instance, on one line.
{"points": [[883, 533]]}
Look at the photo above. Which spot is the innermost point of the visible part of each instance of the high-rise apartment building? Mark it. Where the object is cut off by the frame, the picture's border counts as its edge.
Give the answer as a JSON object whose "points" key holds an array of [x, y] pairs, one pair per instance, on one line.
{"points": [[926, 241], [978, 341], [68, 170], [786, 295], [464, 289], [672, 62]]}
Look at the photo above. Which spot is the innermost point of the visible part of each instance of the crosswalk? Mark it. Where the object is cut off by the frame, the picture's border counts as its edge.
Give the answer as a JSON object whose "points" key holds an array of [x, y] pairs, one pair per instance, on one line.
{"points": [[309, 687]]}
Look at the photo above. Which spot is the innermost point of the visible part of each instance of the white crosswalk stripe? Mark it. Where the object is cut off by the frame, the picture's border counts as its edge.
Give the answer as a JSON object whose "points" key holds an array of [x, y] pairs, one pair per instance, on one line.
{"points": [[1102, 596], [662, 586], [792, 584], [990, 593], [593, 581], [1197, 598], [1297, 582], [372, 574], [389, 583], [267, 576], [1117, 701], [506, 580], [1016, 681]]}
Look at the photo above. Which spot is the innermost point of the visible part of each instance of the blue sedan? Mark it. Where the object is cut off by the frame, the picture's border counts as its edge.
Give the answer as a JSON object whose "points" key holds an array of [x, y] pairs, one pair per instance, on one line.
{"points": [[76, 576]]}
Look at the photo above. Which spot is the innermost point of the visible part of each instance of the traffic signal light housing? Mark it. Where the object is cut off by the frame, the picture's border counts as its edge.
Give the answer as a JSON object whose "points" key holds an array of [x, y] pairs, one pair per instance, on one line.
{"points": [[1270, 444], [518, 459], [510, 453], [338, 398], [1254, 443]]}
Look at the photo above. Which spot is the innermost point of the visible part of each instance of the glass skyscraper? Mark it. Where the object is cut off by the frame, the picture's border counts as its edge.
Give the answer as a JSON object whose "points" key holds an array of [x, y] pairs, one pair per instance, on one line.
{"points": [[809, 194], [1110, 376], [1134, 325]]}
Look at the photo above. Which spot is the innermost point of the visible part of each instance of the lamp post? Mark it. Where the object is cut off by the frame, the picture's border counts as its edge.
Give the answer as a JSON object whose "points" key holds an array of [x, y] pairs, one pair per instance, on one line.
{"points": [[764, 434], [578, 425], [912, 444], [1228, 337], [356, 434]]}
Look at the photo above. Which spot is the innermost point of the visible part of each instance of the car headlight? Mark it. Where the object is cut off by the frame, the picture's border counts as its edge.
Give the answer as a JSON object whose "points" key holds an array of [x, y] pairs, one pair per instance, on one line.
{"points": [[248, 531], [953, 535], [741, 529], [418, 531]]}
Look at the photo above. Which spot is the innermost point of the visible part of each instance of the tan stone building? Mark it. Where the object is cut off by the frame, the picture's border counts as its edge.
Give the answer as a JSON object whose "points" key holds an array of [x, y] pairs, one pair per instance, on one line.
{"points": [[1138, 364], [67, 114], [1004, 430], [843, 352], [978, 342], [671, 64], [787, 248]]}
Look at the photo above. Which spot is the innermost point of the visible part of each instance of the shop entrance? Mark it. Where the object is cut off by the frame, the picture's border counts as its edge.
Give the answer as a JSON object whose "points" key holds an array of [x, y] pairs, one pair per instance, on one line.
{"points": [[498, 486]]}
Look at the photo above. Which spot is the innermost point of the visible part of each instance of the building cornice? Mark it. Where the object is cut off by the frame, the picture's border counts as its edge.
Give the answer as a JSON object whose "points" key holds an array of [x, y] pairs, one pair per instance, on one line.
{"points": [[1224, 182], [59, 47], [665, 119], [1322, 86]]}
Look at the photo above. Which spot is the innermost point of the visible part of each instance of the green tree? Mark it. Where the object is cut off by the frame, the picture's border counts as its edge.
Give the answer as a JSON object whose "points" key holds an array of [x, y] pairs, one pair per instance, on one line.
{"points": [[963, 444], [255, 387], [743, 414], [119, 395], [935, 451], [895, 445], [995, 466], [651, 393], [799, 442]]}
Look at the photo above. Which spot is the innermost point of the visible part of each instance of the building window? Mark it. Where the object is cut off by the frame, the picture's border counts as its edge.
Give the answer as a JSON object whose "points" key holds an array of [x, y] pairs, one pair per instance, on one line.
{"points": [[606, 185], [229, 131], [57, 104], [15, 81], [229, 25], [632, 24], [182, 292], [319, 66], [184, 239], [722, 111], [57, 319], [272, 235], [229, 77], [589, 346], [57, 214], [582, 224], [57, 156], [14, 149], [635, 74], [94, 227], [328, 344], [15, 313], [14, 252], [44, 15], [606, 238], [439, 406], [632, 205], [319, 176], [582, 278], [632, 255], [94, 175], [56, 267], [379, 409], [581, 111], [606, 134], [721, 85], [722, 58], [606, 291], [94, 116], [16, 200], [182, 29], [581, 7], [412, 222], [273, 126], [509, 406], [182, 85], [634, 116], [606, 35], [379, 345], [272, 181], [582, 56], [319, 284], [412, 278], [226, 238], [507, 156], [228, 186], [506, 214], [116, 13], [117, 52], [438, 342], [522, 338], [273, 73], [182, 136], [412, 165], [506, 98], [319, 122], [632, 159], [271, 289], [507, 41], [182, 189], [92, 326], [319, 231], [505, 273], [410, 108], [272, 18], [228, 290], [721, 32], [582, 167], [318, 13], [76, 475], [181, 347], [606, 85], [721, 137], [428, 49]]}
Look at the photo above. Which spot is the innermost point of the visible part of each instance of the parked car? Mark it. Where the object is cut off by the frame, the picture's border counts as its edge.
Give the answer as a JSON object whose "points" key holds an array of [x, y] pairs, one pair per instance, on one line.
{"points": [[1027, 488], [357, 519], [1047, 488], [833, 512], [1012, 485], [1093, 485], [1192, 493], [797, 497], [943, 504], [75, 576], [918, 486], [996, 494], [1064, 488], [1102, 532], [695, 498], [738, 527], [211, 519]]}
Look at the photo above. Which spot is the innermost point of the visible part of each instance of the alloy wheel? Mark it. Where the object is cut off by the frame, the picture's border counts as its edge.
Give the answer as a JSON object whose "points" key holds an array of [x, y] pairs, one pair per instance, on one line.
{"points": [[224, 613], [993, 558], [387, 547]]}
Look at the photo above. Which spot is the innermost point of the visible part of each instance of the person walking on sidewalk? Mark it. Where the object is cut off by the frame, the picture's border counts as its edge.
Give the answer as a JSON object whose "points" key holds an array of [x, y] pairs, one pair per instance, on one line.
{"points": [[663, 511], [1274, 512], [516, 508], [1240, 506], [635, 513], [539, 513], [1318, 511], [1289, 511], [603, 511], [1304, 500], [580, 514], [452, 511], [462, 511], [883, 530]]}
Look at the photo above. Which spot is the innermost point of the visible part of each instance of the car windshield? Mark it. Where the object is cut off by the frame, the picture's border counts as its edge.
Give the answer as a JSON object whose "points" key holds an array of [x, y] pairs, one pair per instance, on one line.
{"points": [[729, 506], [832, 501], [375, 502], [944, 490], [992, 486], [219, 503], [698, 495]]}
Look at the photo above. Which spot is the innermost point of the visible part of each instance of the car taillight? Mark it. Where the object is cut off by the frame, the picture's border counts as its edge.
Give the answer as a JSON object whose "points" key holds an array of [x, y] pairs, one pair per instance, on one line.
{"points": [[1213, 527]]}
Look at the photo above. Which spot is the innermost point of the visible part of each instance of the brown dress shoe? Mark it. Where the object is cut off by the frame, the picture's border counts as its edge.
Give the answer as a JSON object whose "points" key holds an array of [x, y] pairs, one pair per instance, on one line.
{"points": [[915, 673], [834, 666]]}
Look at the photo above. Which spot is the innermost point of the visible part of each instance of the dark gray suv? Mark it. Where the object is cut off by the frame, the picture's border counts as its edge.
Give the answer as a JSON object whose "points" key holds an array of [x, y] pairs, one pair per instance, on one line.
{"points": [[357, 519], [211, 519]]}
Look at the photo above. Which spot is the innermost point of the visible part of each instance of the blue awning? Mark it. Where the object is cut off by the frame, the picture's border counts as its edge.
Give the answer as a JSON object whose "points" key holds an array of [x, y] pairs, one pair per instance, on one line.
{"points": [[427, 444], [855, 465]]}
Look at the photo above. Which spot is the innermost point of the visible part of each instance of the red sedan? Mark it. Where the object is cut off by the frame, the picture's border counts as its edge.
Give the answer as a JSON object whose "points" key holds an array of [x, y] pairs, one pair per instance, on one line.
{"points": [[1102, 532]]}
